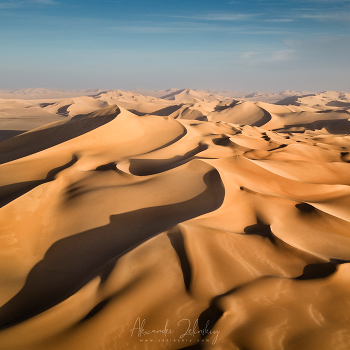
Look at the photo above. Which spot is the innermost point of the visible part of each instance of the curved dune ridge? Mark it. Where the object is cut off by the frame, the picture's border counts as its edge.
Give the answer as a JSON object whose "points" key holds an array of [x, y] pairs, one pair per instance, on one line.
{"points": [[155, 230]]}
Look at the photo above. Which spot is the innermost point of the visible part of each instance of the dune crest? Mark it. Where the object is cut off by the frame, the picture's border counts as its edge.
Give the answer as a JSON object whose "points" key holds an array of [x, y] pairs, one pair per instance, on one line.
{"points": [[137, 222]]}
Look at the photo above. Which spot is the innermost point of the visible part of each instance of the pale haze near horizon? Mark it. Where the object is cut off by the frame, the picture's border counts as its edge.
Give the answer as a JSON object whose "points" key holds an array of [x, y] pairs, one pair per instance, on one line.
{"points": [[233, 45]]}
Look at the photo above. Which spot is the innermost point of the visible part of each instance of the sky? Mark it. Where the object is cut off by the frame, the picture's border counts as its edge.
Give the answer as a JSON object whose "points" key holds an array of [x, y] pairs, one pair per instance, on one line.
{"points": [[243, 45]]}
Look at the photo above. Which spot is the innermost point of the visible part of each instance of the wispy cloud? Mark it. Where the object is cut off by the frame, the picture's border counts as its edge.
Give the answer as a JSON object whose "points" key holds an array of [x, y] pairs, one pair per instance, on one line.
{"points": [[292, 42], [153, 27], [321, 15], [214, 16], [225, 16], [282, 55], [260, 57], [327, 1], [195, 27], [277, 18], [280, 20], [15, 4], [46, 2], [327, 16], [9, 5], [249, 54]]}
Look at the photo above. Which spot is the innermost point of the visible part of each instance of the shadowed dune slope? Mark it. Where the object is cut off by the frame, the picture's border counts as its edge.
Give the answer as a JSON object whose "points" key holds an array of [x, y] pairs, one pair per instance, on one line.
{"points": [[53, 134], [125, 231]]}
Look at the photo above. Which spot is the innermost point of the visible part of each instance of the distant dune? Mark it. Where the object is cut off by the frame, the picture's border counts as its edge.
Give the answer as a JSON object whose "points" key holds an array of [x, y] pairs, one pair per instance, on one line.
{"points": [[41, 93], [326, 110], [177, 219]]}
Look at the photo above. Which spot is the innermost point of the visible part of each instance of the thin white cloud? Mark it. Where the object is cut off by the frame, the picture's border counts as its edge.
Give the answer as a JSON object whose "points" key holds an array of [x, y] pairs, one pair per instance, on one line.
{"points": [[186, 27], [249, 54], [327, 16], [292, 42], [328, 1], [225, 17], [9, 5], [282, 55], [268, 32], [15, 4], [310, 14], [215, 16], [282, 17], [191, 27], [46, 2], [279, 20], [257, 58]]}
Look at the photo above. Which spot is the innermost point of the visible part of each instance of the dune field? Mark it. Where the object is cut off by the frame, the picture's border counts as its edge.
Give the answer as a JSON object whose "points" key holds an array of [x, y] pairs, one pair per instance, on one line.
{"points": [[179, 219]]}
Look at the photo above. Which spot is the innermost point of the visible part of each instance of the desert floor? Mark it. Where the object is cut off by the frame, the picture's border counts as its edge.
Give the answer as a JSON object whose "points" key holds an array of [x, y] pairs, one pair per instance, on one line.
{"points": [[176, 219]]}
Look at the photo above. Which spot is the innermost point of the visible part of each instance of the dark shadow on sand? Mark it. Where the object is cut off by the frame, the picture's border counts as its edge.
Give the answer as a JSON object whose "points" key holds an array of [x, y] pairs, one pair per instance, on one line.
{"points": [[177, 241], [11, 192], [73, 261], [265, 119], [144, 167], [38, 140], [260, 229], [7, 134], [164, 112], [333, 126]]}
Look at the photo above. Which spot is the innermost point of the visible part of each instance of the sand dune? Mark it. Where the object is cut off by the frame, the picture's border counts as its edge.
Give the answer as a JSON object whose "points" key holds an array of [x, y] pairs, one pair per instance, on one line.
{"points": [[42, 93], [188, 94], [17, 116], [323, 101], [270, 97], [135, 222]]}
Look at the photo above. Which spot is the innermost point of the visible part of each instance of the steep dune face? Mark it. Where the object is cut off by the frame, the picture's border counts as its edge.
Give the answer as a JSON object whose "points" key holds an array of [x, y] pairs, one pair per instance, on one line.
{"points": [[121, 231], [322, 101]]}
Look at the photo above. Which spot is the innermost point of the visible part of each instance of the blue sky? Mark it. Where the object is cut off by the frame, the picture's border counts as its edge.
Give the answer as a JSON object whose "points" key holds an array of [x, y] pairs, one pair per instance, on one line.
{"points": [[236, 45]]}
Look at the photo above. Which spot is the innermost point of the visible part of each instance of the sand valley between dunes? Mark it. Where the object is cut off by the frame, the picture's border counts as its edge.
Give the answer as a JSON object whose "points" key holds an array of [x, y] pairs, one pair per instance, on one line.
{"points": [[177, 220]]}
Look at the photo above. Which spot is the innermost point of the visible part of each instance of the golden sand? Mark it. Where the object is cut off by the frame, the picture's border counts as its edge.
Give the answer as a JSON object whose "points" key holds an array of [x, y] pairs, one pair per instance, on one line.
{"points": [[135, 222]]}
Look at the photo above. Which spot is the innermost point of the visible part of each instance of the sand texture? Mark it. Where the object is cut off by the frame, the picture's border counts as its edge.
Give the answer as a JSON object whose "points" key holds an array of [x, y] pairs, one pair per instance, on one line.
{"points": [[173, 221]]}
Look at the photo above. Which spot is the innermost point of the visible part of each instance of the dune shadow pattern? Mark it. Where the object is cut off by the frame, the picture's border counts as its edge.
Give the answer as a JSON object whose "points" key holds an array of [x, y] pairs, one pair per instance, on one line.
{"points": [[177, 241], [334, 126], [75, 260], [167, 110], [32, 142], [260, 229], [144, 167], [11, 192], [264, 120]]}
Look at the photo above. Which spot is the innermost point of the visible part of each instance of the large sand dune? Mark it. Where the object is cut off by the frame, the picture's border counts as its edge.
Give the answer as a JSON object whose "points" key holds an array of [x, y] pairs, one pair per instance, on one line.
{"points": [[183, 220]]}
